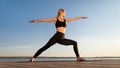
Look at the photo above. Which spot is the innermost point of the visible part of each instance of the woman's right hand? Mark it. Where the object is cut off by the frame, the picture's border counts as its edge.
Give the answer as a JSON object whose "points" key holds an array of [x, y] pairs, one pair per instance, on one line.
{"points": [[32, 21]]}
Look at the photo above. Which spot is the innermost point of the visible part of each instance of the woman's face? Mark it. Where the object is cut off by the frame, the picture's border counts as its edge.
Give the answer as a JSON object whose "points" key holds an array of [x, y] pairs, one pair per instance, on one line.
{"points": [[64, 13]]}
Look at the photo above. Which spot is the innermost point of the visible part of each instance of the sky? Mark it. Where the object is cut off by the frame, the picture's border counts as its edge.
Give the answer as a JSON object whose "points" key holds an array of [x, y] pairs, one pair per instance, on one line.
{"points": [[99, 35]]}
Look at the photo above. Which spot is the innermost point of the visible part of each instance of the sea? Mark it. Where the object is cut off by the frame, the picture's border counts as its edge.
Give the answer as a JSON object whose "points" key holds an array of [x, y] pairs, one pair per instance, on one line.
{"points": [[56, 58]]}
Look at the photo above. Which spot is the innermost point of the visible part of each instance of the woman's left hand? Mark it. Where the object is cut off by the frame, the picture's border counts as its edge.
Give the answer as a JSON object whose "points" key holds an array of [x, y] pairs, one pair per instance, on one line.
{"points": [[83, 17]]}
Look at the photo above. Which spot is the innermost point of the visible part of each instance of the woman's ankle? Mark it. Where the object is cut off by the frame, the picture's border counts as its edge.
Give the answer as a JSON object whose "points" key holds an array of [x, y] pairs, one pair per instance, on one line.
{"points": [[32, 59], [80, 59]]}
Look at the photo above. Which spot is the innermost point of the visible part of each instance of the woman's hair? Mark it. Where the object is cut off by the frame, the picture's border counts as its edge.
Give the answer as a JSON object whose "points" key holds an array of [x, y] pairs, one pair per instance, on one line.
{"points": [[59, 11]]}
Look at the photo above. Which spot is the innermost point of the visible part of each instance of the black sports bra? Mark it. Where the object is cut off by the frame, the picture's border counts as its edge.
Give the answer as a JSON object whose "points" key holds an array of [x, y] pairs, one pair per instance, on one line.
{"points": [[60, 24]]}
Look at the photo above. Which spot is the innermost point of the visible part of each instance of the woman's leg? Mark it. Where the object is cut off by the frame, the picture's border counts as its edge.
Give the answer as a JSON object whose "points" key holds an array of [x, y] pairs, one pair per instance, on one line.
{"points": [[74, 43], [70, 42], [49, 44]]}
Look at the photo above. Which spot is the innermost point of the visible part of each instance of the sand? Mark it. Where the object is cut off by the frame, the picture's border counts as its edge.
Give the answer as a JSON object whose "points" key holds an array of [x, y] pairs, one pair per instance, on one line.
{"points": [[61, 64]]}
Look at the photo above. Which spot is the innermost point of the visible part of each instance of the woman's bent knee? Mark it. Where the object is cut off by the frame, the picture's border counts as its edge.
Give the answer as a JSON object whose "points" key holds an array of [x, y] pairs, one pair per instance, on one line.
{"points": [[75, 43]]}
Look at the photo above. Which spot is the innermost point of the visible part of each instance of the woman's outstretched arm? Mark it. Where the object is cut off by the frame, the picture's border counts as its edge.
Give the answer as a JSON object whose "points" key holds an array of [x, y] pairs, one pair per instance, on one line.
{"points": [[44, 20], [75, 18]]}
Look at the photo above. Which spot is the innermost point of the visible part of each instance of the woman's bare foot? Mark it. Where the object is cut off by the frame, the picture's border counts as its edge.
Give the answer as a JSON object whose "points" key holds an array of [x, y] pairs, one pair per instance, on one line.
{"points": [[32, 60], [80, 59]]}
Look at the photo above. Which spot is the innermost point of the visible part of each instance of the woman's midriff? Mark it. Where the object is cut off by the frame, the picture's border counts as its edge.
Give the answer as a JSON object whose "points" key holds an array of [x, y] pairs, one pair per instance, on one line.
{"points": [[61, 29]]}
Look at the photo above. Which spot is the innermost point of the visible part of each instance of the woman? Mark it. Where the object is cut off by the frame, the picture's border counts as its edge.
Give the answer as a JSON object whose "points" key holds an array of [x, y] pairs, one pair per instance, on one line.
{"points": [[59, 37]]}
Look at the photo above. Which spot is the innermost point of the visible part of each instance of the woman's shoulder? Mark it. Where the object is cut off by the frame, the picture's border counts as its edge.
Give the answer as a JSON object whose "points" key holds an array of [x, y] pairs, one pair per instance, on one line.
{"points": [[53, 19]]}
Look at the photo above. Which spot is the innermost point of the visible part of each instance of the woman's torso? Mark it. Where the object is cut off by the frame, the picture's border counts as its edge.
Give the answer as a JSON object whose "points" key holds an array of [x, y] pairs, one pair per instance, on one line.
{"points": [[60, 25]]}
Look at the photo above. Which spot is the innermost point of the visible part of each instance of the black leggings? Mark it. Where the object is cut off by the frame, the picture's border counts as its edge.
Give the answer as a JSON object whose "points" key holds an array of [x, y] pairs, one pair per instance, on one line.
{"points": [[58, 38]]}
